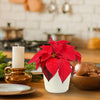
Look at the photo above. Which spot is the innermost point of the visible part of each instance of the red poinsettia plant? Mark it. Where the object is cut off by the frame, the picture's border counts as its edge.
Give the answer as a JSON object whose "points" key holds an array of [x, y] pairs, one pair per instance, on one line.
{"points": [[56, 57]]}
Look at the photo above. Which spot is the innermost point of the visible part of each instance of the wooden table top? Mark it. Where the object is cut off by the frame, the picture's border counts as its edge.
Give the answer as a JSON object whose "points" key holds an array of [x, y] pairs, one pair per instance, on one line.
{"points": [[92, 56], [41, 94], [72, 94]]}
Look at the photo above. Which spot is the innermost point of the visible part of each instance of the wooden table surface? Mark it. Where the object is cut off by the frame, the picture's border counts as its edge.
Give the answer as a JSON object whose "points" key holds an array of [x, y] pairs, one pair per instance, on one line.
{"points": [[41, 94], [92, 56], [72, 94]]}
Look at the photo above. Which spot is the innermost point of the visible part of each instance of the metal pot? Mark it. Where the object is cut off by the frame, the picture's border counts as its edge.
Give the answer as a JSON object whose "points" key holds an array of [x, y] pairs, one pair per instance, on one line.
{"points": [[68, 37], [11, 33], [60, 36]]}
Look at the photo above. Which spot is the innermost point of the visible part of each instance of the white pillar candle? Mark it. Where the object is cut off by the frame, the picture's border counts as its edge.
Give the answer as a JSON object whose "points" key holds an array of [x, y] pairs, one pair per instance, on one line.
{"points": [[18, 57]]}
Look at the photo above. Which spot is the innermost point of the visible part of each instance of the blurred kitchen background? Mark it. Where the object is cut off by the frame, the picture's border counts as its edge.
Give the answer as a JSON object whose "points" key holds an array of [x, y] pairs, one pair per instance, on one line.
{"points": [[80, 24]]}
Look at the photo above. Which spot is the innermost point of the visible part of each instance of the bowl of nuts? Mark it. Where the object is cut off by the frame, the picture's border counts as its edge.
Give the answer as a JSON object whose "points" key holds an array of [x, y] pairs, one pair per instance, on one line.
{"points": [[86, 76]]}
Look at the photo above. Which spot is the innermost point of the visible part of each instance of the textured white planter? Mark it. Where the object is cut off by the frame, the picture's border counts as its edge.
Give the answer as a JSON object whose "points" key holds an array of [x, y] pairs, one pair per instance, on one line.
{"points": [[55, 85]]}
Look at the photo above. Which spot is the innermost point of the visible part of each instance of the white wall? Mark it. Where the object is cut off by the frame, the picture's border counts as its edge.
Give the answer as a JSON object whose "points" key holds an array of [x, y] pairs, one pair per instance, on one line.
{"points": [[85, 13]]}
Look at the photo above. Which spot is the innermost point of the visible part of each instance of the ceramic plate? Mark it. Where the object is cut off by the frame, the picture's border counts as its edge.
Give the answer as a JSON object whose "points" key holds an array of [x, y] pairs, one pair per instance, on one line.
{"points": [[15, 89], [38, 71]]}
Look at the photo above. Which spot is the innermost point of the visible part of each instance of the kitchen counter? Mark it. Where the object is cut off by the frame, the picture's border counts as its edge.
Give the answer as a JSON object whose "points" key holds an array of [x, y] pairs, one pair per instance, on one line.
{"points": [[92, 56], [41, 94]]}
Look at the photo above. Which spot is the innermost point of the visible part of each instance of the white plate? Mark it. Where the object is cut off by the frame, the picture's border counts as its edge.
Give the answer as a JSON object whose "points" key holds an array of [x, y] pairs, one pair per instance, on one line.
{"points": [[38, 71], [14, 89]]}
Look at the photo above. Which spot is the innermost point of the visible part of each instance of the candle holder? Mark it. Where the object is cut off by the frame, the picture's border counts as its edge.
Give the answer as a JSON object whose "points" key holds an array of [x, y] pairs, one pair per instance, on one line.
{"points": [[17, 75]]}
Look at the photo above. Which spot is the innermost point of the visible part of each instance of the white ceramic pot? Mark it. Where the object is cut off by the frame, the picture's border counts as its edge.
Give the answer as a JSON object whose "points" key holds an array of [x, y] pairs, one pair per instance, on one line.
{"points": [[55, 84]]}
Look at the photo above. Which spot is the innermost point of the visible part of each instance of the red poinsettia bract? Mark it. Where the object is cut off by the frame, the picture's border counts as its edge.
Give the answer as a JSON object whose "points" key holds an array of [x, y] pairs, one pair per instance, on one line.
{"points": [[56, 57]]}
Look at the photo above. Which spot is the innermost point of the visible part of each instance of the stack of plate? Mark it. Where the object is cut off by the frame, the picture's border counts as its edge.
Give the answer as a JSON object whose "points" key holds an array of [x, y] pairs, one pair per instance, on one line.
{"points": [[15, 89]]}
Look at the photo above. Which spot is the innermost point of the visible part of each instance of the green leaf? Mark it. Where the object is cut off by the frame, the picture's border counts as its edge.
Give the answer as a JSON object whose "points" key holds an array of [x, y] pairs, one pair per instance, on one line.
{"points": [[2, 57], [30, 67], [2, 73]]}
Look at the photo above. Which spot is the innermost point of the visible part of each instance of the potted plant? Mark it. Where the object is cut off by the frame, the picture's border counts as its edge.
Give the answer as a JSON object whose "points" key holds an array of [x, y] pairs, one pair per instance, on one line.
{"points": [[54, 60]]}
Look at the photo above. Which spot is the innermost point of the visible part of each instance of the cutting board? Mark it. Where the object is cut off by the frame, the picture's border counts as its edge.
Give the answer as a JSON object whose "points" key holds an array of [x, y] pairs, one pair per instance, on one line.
{"points": [[17, 1]]}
